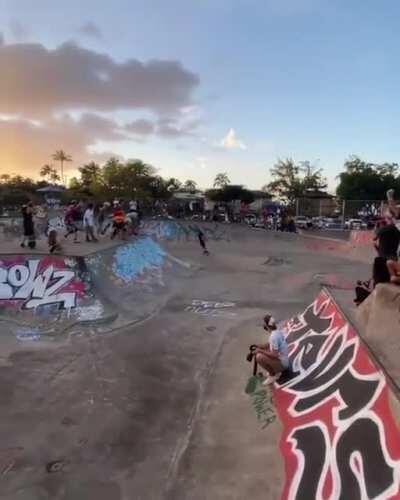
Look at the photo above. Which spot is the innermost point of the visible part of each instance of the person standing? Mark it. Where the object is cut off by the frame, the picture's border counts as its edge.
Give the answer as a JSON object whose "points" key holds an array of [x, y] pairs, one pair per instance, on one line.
{"points": [[28, 225], [71, 220], [88, 223], [274, 356]]}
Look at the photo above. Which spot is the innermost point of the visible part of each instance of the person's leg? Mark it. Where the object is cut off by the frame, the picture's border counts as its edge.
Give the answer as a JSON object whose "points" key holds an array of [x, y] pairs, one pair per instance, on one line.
{"points": [[271, 365], [394, 271], [75, 231], [92, 235]]}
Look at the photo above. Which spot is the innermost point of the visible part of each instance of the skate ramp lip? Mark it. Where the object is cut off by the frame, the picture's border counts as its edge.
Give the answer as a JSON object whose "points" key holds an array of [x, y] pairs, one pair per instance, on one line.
{"points": [[358, 247], [378, 321]]}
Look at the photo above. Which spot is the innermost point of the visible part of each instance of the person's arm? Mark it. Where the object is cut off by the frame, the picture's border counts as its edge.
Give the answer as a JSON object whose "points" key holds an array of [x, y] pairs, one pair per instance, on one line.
{"points": [[394, 210]]}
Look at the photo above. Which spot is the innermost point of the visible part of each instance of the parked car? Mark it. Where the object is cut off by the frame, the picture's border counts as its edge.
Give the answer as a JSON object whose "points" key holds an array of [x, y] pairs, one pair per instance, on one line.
{"points": [[303, 222], [332, 223], [355, 224]]}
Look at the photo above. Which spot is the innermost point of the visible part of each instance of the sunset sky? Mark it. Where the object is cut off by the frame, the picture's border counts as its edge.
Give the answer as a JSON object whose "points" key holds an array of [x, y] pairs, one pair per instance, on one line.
{"points": [[197, 87]]}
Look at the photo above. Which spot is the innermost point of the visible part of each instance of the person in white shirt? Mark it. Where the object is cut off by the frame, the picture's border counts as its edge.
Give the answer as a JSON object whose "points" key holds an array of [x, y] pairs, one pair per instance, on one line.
{"points": [[88, 223], [274, 356]]}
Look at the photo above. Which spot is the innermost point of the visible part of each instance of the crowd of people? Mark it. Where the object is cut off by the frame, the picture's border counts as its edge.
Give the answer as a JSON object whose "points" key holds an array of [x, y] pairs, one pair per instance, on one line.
{"points": [[386, 267], [117, 219]]}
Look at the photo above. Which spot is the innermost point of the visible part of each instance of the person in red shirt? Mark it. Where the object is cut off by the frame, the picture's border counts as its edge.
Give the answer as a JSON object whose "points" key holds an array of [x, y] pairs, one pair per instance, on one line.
{"points": [[71, 219], [119, 221]]}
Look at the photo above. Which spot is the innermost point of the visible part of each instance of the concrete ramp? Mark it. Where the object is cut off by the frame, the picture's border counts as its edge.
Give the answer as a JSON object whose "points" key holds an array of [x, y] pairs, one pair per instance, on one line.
{"points": [[45, 296], [378, 319], [341, 437]]}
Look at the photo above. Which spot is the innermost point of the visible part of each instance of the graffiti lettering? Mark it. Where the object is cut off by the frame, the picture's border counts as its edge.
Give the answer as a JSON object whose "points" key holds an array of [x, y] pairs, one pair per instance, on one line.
{"points": [[37, 288], [336, 413], [262, 402], [208, 308]]}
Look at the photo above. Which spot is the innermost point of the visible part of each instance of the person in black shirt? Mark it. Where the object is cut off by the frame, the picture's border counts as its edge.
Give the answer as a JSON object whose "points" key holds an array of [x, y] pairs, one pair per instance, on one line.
{"points": [[387, 240], [28, 225]]}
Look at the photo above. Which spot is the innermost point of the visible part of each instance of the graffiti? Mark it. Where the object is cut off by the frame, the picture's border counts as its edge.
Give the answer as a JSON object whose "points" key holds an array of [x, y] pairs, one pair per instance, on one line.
{"points": [[261, 401], [340, 439], [207, 308], [38, 282], [134, 260], [173, 230], [28, 334]]}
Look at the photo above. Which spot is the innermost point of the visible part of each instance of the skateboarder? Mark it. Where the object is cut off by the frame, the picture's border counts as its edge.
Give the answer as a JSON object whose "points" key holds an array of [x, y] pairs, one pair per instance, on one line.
{"points": [[273, 357], [202, 241]]}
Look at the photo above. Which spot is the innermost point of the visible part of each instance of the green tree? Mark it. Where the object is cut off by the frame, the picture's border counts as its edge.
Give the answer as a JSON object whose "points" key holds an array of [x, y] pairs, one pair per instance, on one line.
{"points": [[363, 180], [49, 173], [291, 180], [90, 176], [190, 186], [62, 157], [173, 184], [221, 180]]}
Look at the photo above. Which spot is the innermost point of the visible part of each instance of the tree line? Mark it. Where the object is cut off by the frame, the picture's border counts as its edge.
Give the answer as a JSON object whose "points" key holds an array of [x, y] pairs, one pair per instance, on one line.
{"points": [[290, 180]]}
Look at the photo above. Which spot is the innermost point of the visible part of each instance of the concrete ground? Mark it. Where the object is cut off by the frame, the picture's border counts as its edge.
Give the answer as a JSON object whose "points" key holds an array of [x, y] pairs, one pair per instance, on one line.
{"points": [[158, 410]]}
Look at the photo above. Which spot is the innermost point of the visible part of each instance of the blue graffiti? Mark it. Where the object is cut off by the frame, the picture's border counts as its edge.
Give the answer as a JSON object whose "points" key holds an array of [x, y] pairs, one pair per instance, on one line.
{"points": [[134, 259]]}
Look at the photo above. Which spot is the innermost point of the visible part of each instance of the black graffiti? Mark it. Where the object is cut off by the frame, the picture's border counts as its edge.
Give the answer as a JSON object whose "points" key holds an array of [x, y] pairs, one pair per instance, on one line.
{"points": [[336, 378], [307, 440], [376, 475], [313, 322], [307, 350]]}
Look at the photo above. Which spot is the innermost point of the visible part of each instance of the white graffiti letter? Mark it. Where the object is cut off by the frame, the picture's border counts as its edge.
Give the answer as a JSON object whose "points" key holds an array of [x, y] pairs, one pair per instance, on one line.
{"points": [[6, 291]]}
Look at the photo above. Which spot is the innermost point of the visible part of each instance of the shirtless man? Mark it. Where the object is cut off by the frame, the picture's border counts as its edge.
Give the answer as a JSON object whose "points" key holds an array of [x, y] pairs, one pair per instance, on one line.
{"points": [[273, 357]]}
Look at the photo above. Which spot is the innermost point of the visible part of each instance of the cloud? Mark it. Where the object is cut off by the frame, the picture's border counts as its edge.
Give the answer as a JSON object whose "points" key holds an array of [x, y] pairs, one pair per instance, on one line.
{"points": [[230, 141], [141, 127], [36, 81], [91, 30], [170, 128], [18, 30], [25, 145]]}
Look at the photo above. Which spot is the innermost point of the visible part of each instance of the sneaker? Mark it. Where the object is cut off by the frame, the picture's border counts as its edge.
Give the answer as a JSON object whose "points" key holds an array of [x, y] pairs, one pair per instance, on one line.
{"points": [[271, 379]]}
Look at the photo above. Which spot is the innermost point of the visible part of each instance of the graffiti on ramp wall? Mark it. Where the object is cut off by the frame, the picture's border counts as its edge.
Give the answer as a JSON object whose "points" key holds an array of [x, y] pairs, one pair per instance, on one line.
{"points": [[30, 283], [340, 439]]}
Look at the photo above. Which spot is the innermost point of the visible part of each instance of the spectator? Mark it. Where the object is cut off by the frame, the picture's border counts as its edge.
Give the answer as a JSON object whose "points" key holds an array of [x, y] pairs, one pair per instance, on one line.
{"points": [[273, 357], [71, 220], [88, 223], [387, 240], [28, 225]]}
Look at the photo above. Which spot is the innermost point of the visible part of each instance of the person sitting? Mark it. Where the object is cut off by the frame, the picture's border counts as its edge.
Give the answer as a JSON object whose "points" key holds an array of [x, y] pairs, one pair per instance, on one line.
{"points": [[119, 221], [380, 274], [387, 239], [273, 357]]}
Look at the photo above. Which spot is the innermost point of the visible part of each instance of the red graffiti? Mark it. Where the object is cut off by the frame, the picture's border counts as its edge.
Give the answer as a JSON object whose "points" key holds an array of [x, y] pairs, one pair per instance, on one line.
{"points": [[340, 439]]}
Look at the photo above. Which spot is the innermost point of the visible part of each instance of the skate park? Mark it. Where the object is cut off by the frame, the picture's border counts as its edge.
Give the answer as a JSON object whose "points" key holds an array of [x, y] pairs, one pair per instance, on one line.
{"points": [[124, 371]]}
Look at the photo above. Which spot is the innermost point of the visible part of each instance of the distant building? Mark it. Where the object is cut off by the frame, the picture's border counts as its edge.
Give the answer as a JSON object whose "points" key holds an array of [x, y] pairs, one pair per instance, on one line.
{"points": [[316, 203]]}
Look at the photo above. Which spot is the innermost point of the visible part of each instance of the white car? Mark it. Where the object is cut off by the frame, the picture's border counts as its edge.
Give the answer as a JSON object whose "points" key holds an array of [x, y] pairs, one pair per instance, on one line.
{"points": [[355, 224], [303, 222]]}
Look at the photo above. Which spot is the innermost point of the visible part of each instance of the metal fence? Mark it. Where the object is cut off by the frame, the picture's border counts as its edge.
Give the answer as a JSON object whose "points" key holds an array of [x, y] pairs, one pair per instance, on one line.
{"points": [[343, 209]]}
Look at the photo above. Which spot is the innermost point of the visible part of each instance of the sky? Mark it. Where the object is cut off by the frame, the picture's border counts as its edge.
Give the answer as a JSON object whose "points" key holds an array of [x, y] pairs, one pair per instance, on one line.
{"points": [[198, 87]]}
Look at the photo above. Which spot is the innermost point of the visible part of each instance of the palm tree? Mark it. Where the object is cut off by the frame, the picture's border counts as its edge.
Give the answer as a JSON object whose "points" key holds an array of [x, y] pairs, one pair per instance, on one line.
{"points": [[61, 156], [190, 186], [49, 173], [221, 180]]}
